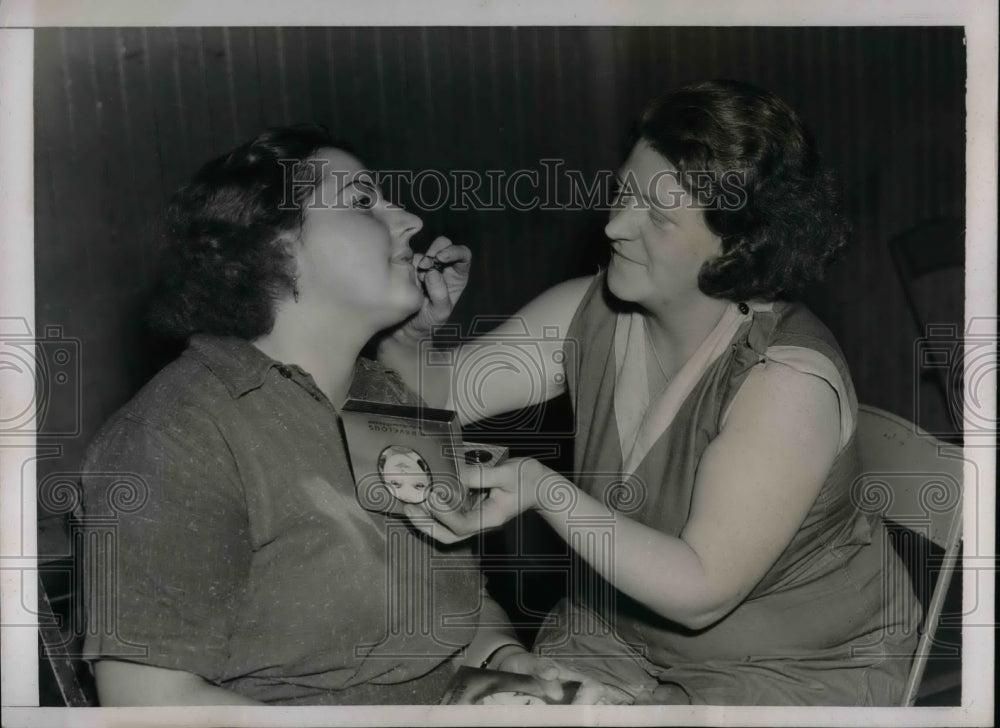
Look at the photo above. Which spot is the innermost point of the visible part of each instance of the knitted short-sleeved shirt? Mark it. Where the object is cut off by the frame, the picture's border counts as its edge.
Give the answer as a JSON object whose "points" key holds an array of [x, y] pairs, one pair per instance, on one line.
{"points": [[240, 553]]}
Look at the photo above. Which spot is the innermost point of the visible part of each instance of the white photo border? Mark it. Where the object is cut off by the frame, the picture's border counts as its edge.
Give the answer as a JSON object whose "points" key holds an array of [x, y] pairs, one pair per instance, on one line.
{"points": [[18, 643]]}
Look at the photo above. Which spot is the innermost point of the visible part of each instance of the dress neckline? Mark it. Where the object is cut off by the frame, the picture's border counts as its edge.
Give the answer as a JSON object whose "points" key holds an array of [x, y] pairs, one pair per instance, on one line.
{"points": [[640, 418]]}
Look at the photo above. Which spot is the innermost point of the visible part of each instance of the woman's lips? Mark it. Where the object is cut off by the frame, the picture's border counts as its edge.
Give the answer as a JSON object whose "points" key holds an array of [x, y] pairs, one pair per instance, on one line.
{"points": [[620, 254]]}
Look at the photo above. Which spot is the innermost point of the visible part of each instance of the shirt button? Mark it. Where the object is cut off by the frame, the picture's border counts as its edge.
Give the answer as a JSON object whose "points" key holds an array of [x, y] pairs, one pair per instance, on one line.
{"points": [[744, 309]]}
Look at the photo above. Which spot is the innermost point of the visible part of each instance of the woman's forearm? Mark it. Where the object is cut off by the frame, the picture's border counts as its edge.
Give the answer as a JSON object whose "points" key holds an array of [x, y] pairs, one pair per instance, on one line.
{"points": [[500, 371], [432, 383], [493, 633], [660, 571], [121, 684]]}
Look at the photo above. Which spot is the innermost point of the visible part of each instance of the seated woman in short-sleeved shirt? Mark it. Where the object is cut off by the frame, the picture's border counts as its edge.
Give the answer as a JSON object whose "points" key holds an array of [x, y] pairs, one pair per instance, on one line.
{"points": [[235, 564]]}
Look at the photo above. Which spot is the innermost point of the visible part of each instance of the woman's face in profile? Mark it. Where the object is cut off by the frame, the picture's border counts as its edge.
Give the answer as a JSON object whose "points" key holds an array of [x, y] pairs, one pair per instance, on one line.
{"points": [[659, 239], [407, 480], [354, 251]]}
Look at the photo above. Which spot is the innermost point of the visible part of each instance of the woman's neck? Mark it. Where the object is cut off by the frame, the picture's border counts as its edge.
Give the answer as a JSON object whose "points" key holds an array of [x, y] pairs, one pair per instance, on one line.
{"points": [[325, 346], [678, 329]]}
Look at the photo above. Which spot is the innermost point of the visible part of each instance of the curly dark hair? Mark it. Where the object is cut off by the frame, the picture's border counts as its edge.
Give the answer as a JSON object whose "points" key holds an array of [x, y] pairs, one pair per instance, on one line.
{"points": [[751, 163], [226, 260]]}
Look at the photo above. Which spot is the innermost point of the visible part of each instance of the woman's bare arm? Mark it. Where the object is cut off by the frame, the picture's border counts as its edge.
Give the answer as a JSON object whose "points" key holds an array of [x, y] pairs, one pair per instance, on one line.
{"points": [[515, 365], [755, 483], [122, 684], [754, 486]]}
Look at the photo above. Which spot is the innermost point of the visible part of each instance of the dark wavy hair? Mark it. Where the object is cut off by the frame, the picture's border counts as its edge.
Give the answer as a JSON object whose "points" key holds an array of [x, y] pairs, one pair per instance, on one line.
{"points": [[226, 258], [751, 163]]}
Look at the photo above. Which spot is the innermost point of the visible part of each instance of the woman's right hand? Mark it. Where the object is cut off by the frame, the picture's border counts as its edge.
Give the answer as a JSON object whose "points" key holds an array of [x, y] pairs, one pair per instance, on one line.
{"points": [[399, 347], [506, 490], [442, 288]]}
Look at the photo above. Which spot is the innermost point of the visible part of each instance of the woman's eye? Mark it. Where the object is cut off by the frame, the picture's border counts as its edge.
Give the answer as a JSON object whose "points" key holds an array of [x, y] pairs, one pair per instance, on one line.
{"points": [[363, 201], [365, 196], [616, 194], [658, 218]]}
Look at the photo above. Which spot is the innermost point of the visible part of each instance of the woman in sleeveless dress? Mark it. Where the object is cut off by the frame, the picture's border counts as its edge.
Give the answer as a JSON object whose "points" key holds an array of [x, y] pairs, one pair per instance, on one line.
{"points": [[722, 557]]}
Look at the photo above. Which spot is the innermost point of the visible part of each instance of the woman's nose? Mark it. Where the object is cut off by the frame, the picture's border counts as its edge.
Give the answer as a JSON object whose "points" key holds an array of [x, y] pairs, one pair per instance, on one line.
{"points": [[620, 223], [405, 224]]}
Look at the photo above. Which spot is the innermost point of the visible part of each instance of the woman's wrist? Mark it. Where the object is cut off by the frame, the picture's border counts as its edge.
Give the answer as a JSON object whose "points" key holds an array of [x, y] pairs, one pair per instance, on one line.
{"points": [[553, 495], [496, 658]]}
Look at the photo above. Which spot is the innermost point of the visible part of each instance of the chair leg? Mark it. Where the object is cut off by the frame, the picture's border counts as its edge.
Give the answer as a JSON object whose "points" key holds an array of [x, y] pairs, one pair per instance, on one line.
{"points": [[55, 653]]}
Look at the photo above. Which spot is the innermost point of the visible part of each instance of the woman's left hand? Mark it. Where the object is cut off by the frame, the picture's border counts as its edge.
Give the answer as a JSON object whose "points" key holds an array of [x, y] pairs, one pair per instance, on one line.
{"points": [[591, 692], [506, 490], [442, 288]]}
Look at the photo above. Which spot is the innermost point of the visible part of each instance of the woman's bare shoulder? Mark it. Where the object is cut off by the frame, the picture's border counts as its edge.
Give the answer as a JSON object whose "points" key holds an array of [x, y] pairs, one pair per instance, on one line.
{"points": [[779, 396]]}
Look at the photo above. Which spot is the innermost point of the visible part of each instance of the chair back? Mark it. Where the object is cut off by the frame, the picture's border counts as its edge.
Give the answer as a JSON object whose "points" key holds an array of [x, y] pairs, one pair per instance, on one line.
{"points": [[918, 477], [915, 480], [929, 259]]}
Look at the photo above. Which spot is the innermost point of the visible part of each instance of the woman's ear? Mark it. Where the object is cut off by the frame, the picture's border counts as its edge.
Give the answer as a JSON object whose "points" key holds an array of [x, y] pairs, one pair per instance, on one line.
{"points": [[289, 244]]}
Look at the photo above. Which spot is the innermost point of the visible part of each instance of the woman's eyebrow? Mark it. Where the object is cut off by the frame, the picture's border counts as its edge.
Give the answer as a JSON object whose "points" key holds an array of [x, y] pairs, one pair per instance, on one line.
{"points": [[341, 190], [351, 183], [357, 181], [652, 202], [636, 188]]}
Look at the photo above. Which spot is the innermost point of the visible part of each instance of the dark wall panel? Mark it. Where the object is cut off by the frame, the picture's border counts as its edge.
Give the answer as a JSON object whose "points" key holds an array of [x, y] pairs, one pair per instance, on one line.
{"points": [[126, 115]]}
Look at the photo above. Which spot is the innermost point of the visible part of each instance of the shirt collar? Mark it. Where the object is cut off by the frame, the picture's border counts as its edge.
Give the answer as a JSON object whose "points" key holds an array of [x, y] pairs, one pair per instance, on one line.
{"points": [[240, 365], [242, 368]]}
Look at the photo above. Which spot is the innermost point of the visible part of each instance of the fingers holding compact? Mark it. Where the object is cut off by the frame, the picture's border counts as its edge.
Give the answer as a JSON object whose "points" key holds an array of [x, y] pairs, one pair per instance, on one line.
{"points": [[507, 489], [449, 522], [518, 485], [498, 494], [422, 520]]}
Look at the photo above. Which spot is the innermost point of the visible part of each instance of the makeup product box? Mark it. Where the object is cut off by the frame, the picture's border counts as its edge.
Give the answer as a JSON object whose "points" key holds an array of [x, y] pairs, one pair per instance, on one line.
{"points": [[403, 454]]}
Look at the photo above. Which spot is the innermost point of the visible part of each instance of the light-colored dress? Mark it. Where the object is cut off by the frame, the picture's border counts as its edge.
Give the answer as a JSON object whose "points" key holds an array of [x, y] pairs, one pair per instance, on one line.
{"points": [[831, 623]]}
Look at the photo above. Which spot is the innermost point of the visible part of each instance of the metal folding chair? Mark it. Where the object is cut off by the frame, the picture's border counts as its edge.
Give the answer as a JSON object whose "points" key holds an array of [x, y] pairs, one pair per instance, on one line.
{"points": [[915, 480], [930, 261], [69, 675]]}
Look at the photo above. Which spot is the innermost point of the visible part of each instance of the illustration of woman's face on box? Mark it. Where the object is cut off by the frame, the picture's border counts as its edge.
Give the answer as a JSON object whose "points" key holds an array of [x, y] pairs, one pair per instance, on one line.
{"points": [[405, 473]]}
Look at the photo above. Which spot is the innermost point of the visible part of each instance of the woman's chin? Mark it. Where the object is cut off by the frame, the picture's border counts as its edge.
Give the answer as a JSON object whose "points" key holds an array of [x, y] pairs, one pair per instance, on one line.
{"points": [[619, 285], [405, 303], [415, 300]]}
